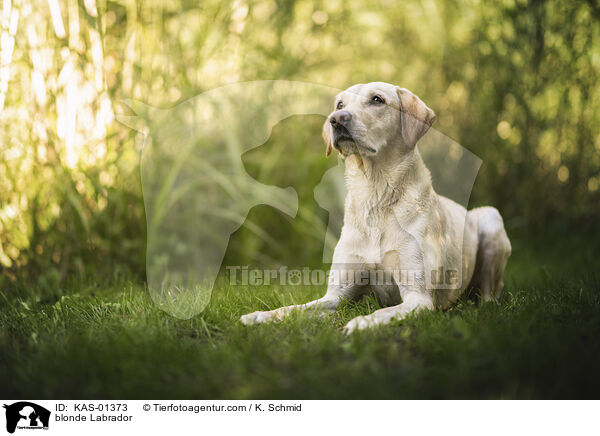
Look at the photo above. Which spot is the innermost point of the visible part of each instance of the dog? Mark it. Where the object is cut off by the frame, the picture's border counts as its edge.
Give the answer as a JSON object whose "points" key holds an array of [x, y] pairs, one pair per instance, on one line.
{"points": [[395, 222]]}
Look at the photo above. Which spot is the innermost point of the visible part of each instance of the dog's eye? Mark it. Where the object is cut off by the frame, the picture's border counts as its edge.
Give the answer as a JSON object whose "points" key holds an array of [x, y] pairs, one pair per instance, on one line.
{"points": [[339, 105], [377, 100]]}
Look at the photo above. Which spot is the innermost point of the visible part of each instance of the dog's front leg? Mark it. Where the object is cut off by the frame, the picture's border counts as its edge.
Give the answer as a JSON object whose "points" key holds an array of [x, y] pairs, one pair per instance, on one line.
{"points": [[414, 301], [325, 304], [336, 292], [342, 285]]}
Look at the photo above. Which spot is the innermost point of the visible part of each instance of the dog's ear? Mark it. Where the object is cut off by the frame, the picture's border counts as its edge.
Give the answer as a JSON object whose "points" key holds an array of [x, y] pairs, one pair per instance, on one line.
{"points": [[416, 117], [327, 138]]}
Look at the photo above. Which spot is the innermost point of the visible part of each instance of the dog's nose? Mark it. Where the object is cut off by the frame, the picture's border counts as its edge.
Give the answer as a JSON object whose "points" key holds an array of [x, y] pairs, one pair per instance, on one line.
{"points": [[341, 118]]}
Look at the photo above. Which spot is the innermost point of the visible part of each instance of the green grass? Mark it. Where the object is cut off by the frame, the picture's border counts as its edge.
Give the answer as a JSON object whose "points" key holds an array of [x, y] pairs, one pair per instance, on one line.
{"points": [[541, 341]]}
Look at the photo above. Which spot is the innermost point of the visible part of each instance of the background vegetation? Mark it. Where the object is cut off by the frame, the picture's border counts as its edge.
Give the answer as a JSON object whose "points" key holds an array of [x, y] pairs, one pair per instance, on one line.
{"points": [[514, 81]]}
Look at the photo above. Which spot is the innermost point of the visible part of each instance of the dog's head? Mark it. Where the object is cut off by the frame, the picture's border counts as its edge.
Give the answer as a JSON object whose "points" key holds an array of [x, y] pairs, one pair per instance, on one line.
{"points": [[368, 117]]}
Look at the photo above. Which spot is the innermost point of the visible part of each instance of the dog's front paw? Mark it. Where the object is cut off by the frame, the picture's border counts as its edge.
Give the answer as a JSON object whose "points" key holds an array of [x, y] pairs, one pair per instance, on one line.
{"points": [[359, 323], [258, 317]]}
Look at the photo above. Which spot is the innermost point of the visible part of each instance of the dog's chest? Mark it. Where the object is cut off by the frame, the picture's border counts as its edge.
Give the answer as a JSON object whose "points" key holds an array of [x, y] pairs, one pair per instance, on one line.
{"points": [[374, 234]]}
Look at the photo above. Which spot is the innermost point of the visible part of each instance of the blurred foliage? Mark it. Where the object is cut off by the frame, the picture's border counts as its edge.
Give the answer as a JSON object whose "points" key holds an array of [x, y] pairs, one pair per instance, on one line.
{"points": [[514, 81]]}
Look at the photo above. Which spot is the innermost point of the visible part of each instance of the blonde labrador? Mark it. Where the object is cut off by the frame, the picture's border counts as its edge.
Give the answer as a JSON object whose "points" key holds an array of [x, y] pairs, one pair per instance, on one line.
{"points": [[394, 222]]}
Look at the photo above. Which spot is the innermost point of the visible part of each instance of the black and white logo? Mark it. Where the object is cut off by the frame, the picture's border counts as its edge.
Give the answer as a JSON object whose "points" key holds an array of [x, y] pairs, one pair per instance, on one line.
{"points": [[26, 415]]}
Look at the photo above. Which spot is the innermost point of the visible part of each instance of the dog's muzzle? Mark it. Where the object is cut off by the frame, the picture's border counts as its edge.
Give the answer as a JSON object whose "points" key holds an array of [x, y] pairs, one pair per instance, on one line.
{"points": [[341, 134], [340, 121]]}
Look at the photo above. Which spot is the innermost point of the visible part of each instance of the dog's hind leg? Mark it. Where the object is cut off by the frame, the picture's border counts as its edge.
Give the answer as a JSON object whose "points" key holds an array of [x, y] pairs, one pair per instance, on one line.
{"points": [[492, 253]]}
